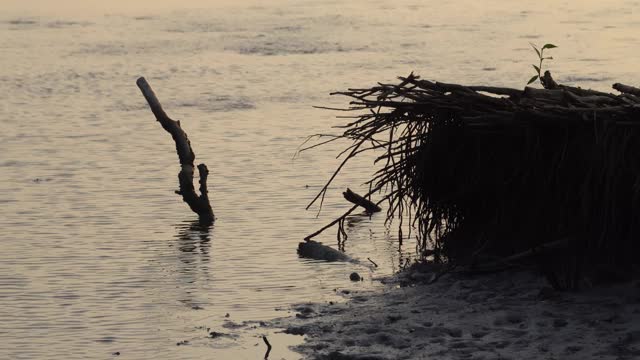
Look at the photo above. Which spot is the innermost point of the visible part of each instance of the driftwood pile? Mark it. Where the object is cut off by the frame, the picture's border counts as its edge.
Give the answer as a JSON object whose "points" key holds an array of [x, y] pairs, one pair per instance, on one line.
{"points": [[492, 175]]}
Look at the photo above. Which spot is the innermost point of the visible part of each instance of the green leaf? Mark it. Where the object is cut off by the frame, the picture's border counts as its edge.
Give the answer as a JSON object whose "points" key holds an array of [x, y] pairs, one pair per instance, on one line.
{"points": [[537, 51], [537, 68], [548, 46], [533, 79]]}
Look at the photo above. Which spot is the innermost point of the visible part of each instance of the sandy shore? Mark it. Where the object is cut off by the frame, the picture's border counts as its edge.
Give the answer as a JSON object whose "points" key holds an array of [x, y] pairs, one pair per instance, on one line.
{"points": [[497, 316]]}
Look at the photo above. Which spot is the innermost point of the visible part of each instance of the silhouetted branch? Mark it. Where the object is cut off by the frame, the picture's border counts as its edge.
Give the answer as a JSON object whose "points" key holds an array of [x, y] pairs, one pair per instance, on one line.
{"points": [[354, 198], [266, 355], [341, 218], [198, 203]]}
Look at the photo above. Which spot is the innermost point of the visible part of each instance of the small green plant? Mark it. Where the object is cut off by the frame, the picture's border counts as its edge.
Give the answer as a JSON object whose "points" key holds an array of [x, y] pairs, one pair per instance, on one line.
{"points": [[541, 57]]}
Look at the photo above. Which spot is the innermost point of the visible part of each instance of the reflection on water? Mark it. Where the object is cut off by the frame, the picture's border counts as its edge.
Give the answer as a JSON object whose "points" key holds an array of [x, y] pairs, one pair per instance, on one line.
{"points": [[194, 245], [351, 223], [195, 236]]}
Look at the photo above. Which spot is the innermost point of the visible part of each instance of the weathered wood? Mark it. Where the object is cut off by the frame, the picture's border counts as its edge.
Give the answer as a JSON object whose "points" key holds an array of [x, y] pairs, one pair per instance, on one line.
{"points": [[626, 89], [316, 250], [553, 94], [548, 82], [356, 199], [198, 203], [444, 166]]}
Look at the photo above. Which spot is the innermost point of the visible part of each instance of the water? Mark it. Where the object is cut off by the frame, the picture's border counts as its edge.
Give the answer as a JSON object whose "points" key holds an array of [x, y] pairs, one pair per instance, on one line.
{"points": [[97, 255]]}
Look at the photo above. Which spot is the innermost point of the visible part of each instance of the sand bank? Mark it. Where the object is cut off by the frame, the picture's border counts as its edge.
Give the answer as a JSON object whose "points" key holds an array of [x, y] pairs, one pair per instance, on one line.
{"points": [[496, 316]]}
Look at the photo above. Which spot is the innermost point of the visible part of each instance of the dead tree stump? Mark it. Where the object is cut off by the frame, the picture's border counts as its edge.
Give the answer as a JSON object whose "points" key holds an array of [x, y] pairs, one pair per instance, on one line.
{"points": [[198, 203]]}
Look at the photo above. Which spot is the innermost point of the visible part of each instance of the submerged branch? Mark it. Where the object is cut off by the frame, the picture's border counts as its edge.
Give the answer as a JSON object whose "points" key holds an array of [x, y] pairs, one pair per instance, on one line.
{"points": [[198, 203]]}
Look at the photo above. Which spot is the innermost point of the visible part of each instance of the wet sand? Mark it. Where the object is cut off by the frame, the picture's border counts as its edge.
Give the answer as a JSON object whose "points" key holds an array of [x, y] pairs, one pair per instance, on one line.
{"points": [[496, 316]]}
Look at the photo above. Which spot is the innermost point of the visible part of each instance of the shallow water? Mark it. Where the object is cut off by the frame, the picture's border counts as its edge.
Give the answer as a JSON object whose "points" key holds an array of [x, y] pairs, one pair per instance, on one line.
{"points": [[97, 255]]}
